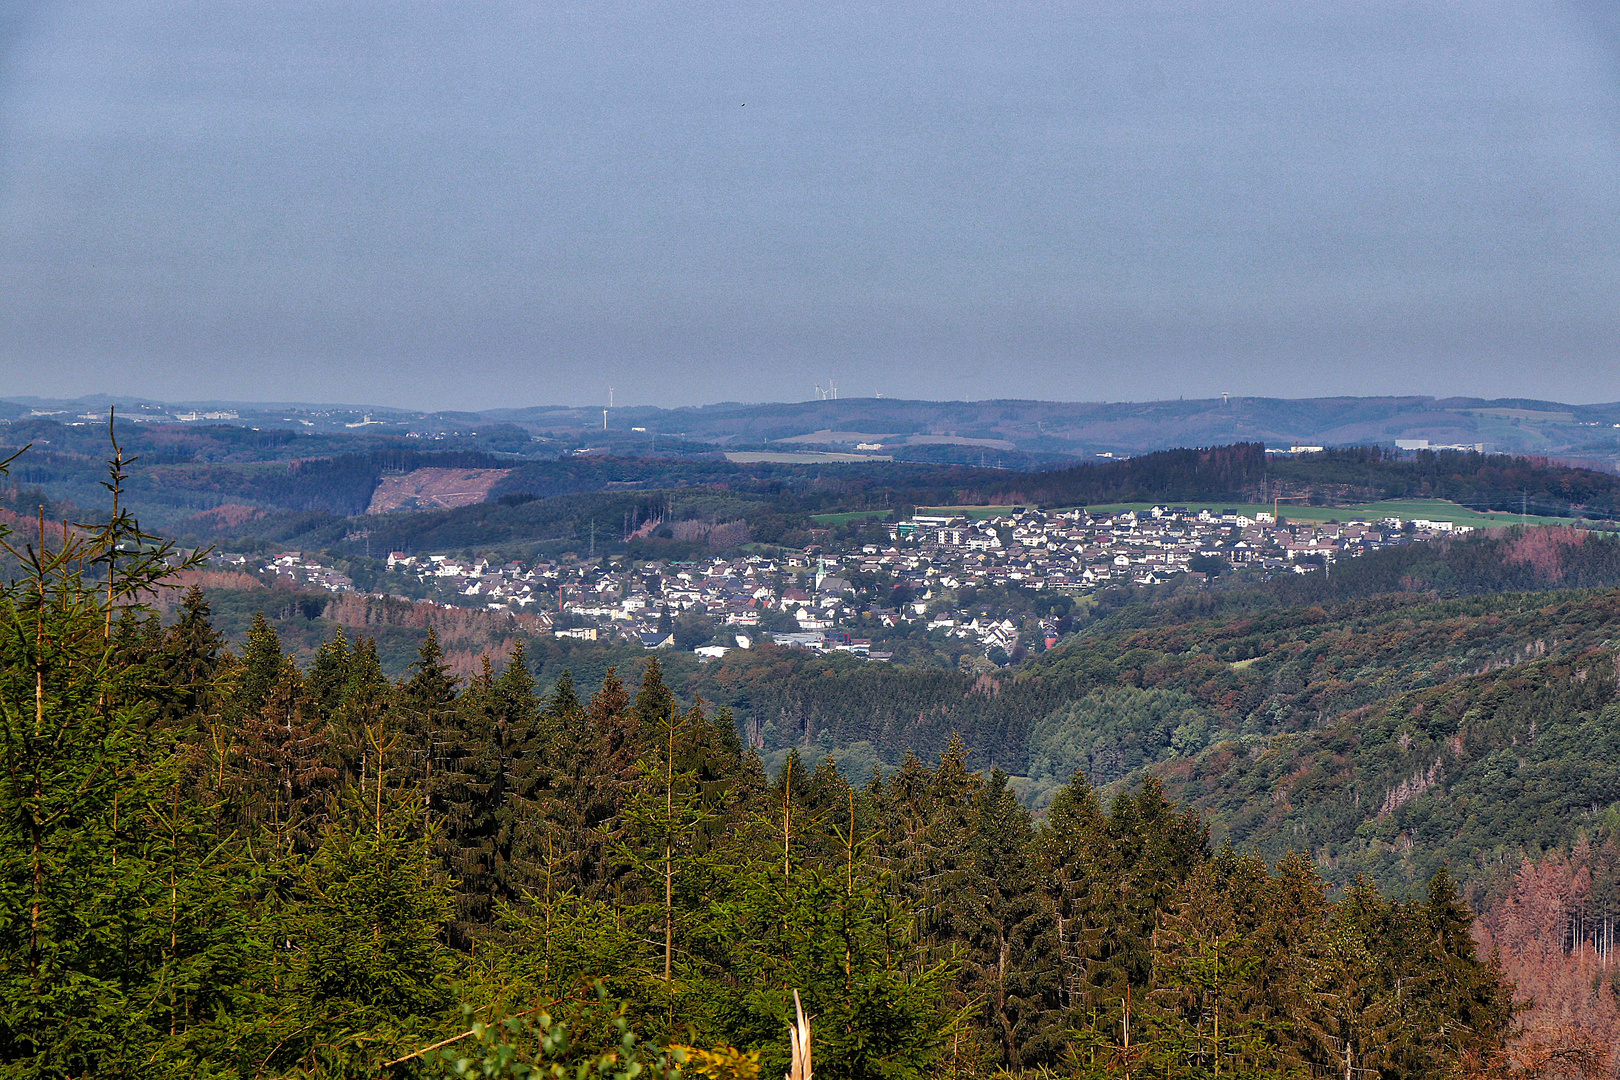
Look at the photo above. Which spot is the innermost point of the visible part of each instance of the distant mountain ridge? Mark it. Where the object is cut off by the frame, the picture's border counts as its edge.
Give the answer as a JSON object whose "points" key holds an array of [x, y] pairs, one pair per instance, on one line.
{"points": [[970, 431]]}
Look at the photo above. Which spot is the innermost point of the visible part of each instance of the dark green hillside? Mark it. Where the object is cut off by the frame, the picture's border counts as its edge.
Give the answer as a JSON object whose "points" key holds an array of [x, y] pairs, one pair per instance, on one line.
{"points": [[1150, 683], [1474, 772], [183, 470], [1343, 476]]}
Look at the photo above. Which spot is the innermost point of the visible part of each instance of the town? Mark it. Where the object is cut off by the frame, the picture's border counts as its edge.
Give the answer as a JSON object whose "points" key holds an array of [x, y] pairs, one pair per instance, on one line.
{"points": [[946, 573]]}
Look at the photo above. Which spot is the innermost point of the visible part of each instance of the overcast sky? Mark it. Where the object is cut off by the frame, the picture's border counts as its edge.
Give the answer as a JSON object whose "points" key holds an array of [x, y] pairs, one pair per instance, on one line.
{"points": [[492, 203]]}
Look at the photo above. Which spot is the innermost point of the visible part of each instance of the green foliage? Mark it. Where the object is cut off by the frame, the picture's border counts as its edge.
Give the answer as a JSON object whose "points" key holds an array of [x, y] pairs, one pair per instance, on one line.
{"points": [[1110, 734], [541, 1049], [368, 916]]}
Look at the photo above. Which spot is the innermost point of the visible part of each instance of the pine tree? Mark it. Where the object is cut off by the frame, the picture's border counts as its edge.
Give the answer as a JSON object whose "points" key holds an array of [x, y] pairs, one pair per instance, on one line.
{"points": [[524, 744], [1209, 953], [591, 774], [665, 815], [654, 700], [365, 971], [834, 934], [329, 674], [364, 721], [470, 792], [191, 658], [90, 938], [1070, 845], [287, 770], [1353, 1019], [259, 670], [426, 701], [1007, 966]]}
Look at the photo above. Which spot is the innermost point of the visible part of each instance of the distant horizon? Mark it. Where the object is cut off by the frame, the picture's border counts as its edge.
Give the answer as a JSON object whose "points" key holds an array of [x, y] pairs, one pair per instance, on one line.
{"points": [[135, 399]]}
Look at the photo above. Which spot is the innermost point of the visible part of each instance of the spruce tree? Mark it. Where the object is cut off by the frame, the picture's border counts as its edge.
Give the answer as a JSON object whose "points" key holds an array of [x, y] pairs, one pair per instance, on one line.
{"points": [[98, 957], [329, 673], [426, 702], [365, 971], [364, 722], [654, 700], [258, 670], [524, 745], [287, 768], [191, 658], [1070, 844], [1209, 953], [468, 792], [589, 782], [1008, 966]]}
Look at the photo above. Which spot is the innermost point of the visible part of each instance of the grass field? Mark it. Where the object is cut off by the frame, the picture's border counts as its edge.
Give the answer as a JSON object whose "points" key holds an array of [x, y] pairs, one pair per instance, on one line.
{"points": [[844, 517], [976, 512], [801, 457], [1432, 509]]}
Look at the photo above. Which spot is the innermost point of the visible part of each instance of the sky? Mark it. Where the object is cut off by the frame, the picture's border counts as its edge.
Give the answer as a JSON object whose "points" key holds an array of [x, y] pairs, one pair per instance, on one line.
{"points": [[511, 202]]}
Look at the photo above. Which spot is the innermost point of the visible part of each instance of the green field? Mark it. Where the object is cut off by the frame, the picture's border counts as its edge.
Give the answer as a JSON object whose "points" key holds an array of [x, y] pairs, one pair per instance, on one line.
{"points": [[976, 512], [844, 517], [801, 457], [1432, 509]]}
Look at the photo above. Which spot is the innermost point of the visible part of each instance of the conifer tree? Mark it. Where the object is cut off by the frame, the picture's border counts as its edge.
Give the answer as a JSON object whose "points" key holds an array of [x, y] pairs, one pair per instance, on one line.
{"points": [[592, 775], [611, 718], [135, 662], [287, 769], [329, 673], [364, 719], [192, 657], [1353, 1020], [365, 970], [1070, 845], [486, 813], [426, 702], [524, 744], [665, 815], [834, 933], [654, 700], [1006, 965], [1208, 953], [258, 670], [1452, 1003], [90, 939]]}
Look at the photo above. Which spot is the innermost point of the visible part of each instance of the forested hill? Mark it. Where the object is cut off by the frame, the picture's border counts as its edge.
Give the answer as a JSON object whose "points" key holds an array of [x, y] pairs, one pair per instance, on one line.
{"points": [[995, 427], [1356, 474], [249, 489]]}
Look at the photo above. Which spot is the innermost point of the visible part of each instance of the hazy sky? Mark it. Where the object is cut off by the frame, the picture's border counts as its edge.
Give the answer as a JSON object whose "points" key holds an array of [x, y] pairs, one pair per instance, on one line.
{"points": [[498, 203]]}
